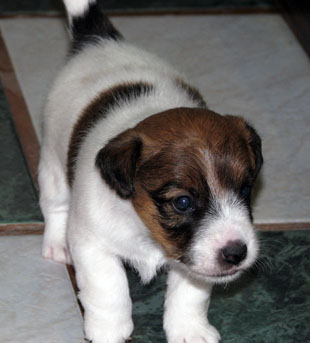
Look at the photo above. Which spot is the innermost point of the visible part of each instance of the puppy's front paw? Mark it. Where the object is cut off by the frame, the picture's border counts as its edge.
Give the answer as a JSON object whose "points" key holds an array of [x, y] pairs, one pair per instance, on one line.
{"points": [[187, 334], [56, 250], [107, 332]]}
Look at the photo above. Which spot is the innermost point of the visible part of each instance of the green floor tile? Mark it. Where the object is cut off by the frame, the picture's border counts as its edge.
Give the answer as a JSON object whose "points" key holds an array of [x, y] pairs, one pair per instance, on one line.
{"points": [[270, 304], [55, 7], [18, 200]]}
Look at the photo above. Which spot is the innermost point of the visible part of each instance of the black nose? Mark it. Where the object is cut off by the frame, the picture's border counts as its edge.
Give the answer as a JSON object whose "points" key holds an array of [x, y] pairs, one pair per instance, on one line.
{"points": [[234, 252]]}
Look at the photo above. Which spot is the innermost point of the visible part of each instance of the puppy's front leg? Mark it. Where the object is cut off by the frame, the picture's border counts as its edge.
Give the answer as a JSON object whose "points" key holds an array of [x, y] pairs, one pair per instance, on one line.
{"points": [[104, 294], [186, 305]]}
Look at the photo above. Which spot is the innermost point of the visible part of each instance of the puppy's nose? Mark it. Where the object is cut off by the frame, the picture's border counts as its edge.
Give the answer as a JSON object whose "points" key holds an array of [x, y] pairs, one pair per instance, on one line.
{"points": [[234, 252]]}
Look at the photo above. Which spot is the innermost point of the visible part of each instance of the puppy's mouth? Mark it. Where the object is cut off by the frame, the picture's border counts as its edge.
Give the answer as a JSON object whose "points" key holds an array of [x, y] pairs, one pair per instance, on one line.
{"points": [[221, 277], [224, 277], [229, 273]]}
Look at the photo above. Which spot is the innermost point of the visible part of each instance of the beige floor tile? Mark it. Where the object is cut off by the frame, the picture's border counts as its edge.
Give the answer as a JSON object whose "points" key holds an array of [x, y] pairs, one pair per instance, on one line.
{"points": [[36, 297], [249, 65]]}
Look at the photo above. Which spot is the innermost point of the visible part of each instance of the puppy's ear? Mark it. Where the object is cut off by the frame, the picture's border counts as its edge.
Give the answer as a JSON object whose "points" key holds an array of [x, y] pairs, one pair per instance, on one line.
{"points": [[255, 144], [117, 163]]}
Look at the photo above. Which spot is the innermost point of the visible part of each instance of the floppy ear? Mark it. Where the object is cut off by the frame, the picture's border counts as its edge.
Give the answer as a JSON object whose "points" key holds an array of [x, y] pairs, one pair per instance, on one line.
{"points": [[117, 163], [255, 144]]}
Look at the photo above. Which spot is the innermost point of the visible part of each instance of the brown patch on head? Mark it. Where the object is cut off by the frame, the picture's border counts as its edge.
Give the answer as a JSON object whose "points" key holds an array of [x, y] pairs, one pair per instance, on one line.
{"points": [[229, 157], [221, 143], [145, 207], [160, 180], [184, 152]]}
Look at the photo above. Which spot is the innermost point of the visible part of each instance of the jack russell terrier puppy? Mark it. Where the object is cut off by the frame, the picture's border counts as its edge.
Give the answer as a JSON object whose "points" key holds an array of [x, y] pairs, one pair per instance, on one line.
{"points": [[134, 167]]}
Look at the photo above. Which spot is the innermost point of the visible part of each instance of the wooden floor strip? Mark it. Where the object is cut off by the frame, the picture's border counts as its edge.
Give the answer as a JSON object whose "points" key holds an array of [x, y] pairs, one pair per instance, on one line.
{"points": [[297, 15], [283, 226], [159, 12], [19, 112], [16, 229]]}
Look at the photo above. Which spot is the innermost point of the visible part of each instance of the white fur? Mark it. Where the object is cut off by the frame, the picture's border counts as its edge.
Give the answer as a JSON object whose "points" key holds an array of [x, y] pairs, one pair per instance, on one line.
{"points": [[87, 74], [77, 7], [231, 224], [101, 230], [187, 301]]}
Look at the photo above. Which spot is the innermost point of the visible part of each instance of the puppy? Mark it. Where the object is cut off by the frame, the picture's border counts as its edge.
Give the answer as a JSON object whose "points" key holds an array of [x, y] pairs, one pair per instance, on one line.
{"points": [[135, 168]]}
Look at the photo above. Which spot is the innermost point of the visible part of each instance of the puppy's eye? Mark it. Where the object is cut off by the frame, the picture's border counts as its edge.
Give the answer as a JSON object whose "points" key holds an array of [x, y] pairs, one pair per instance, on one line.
{"points": [[183, 204], [245, 191]]}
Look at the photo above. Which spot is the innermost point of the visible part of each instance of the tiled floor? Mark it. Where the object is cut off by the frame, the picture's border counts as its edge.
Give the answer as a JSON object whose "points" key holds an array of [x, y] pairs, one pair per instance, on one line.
{"points": [[11, 7], [36, 297], [18, 199], [267, 305], [250, 65]]}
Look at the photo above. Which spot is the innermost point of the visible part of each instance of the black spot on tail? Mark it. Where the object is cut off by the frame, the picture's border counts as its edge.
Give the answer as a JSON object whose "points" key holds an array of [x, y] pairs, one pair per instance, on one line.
{"points": [[91, 28]]}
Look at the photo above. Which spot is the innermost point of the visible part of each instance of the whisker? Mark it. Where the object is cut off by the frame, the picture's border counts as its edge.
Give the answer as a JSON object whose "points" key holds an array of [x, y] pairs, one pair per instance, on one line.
{"points": [[269, 242], [263, 264]]}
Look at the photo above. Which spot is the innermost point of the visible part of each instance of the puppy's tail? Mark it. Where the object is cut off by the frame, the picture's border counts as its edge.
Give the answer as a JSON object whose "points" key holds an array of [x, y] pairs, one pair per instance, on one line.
{"points": [[88, 23]]}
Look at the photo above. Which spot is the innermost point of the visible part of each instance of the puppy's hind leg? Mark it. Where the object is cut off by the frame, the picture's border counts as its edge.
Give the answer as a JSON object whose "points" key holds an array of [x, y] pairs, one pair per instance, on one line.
{"points": [[54, 203]]}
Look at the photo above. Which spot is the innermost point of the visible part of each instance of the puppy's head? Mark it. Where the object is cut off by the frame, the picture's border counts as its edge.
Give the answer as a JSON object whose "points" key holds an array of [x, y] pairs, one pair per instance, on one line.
{"points": [[189, 174]]}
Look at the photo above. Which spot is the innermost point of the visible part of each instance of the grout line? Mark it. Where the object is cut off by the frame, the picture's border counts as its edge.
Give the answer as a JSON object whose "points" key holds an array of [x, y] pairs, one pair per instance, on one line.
{"points": [[296, 15], [282, 226], [19, 112], [156, 12], [37, 228]]}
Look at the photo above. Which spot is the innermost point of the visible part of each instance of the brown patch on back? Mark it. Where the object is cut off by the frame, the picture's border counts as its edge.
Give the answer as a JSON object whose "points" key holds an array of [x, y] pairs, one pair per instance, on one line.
{"points": [[97, 110], [192, 92]]}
